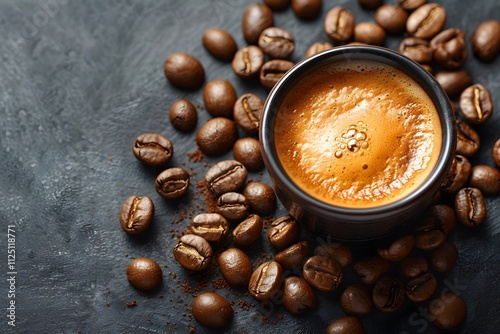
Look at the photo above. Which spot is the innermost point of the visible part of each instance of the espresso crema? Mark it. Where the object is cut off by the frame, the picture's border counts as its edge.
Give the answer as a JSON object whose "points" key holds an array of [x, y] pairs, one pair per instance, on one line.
{"points": [[358, 135]]}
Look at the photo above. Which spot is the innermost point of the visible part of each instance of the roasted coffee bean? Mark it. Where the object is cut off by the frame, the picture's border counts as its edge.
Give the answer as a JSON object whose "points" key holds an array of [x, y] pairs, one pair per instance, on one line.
{"points": [[277, 5], [219, 97], [217, 136], [260, 196], [184, 71], [345, 325], [388, 294], [369, 33], [412, 267], [213, 227], [496, 152], [411, 5], [339, 252], [226, 176], [153, 149], [370, 4], [470, 207], [307, 9], [266, 280], [183, 115], [248, 231], [476, 104], [298, 296], [421, 287], [458, 174], [256, 17], [136, 214], [283, 232], [272, 71], [448, 311], [485, 178], [317, 48], [212, 310], [468, 140], [426, 21], [233, 206], [486, 40], [339, 24], [450, 50], [444, 257], [248, 61], [293, 256], [454, 82], [323, 273], [144, 274], [398, 249], [172, 183], [417, 49], [235, 266], [193, 252], [370, 269], [219, 43], [356, 300], [392, 18], [247, 151], [433, 228], [246, 112], [277, 43]]}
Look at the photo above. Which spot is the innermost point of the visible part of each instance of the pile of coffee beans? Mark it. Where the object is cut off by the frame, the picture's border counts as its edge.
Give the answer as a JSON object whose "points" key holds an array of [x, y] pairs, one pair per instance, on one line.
{"points": [[406, 269]]}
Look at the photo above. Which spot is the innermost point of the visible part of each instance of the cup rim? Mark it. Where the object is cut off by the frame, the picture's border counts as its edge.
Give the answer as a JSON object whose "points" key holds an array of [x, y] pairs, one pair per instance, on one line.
{"points": [[342, 53]]}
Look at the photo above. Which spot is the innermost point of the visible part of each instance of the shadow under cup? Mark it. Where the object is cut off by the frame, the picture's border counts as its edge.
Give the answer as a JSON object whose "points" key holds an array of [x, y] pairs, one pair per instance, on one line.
{"points": [[356, 224]]}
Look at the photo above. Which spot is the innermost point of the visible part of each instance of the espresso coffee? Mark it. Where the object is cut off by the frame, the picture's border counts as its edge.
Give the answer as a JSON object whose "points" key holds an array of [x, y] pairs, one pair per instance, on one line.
{"points": [[358, 134]]}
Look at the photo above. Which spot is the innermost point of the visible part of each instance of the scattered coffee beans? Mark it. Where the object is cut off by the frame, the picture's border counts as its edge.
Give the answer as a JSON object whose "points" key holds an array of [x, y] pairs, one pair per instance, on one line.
{"points": [[144, 274], [444, 257], [426, 21], [233, 206], [261, 197], [235, 266], [345, 325], [468, 140], [226, 176], [256, 17], [486, 40], [217, 136], [339, 24], [266, 280], [356, 300], [323, 273], [272, 71], [411, 5], [454, 82], [388, 294], [339, 252], [370, 269], [193, 252], [447, 311], [476, 104], [184, 71], [417, 49], [485, 178], [392, 18], [450, 50], [457, 175], [172, 183], [219, 43], [318, 47], [470, 207], [398, 249], [248, 61], [277, 5], [433, 228], [293, 256], [136, 214], [276, 43], [246, 112], [369, 33], [219, 97], [247, 151], [183, 115], [153, 149], [370, 4], [496, 152], [421, 288], [212, 310], [414, 266], [298, 296], [213, 227], [248, 231], [307, 9], [283, 232]]}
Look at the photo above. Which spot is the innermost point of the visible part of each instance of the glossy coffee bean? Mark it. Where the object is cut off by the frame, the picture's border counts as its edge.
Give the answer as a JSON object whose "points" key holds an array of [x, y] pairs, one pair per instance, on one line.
{"points": [[496, 152], [246, 112], [468, 140], [298, 296], [433, 228], [266, 281], [318, 47], [172, 183], [213, 227], [307, 9], [345, 325], [356, 300], [144, 274], [454, 82], [470, 207], [417, 49], [444, 257], [370, 4], [392, 18], [448, 311], [370, 269], [388, 294], [248, 61], [283, 232], [339, 252], [277, 5], [236, 266], [398, 249], [226, 176], [458, 174], [369, 33], [486, 40], [153, 149], [426, 21], [256, 17], [339, 24], [212, 310], [248, 231], [414, 266], [421, 288], [184, 71], [485, 178], [411, 5], [450, 49], [217, 136], [247, 151], [219, 43], [323, 273], [136, 214], [272, 71], [233, 206], [476, 104], [183, 115], [261, 197], [277, 43], [293, 256], [219, 97], [193, 252]]}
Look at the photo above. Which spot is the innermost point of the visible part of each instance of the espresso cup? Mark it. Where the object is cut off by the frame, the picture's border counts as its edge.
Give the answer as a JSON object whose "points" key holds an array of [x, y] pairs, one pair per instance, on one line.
{"points": [[357, 141]]}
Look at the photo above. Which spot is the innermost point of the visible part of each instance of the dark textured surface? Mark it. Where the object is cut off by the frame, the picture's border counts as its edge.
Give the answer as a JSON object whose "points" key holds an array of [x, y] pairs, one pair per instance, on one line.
{"points": [[79, 80]]}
